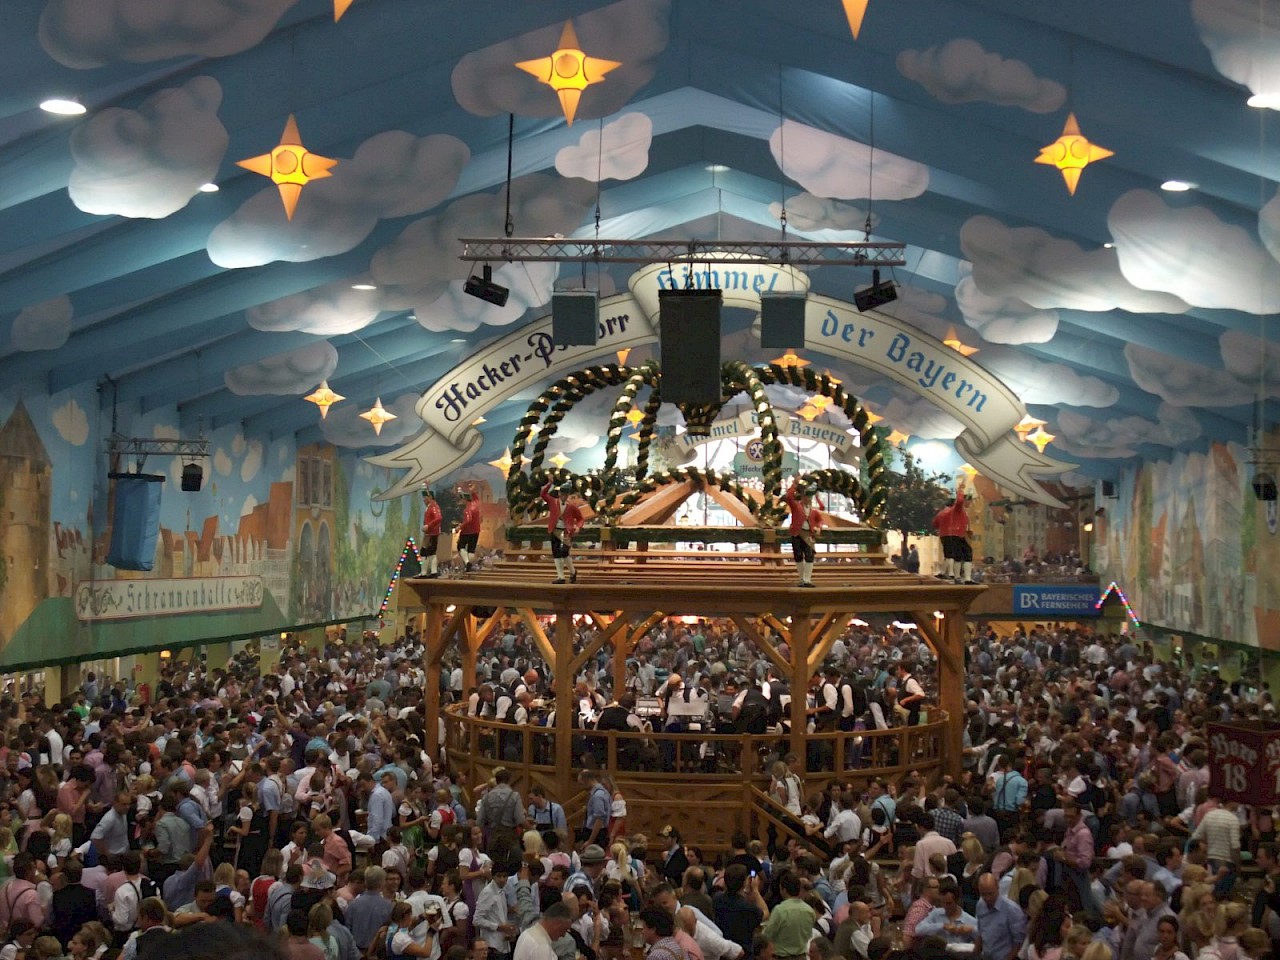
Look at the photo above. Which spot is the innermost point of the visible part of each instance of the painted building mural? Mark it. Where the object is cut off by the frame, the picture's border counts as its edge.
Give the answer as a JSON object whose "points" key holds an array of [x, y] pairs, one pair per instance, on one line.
{"points": [[279, 535], [1193, 549]]}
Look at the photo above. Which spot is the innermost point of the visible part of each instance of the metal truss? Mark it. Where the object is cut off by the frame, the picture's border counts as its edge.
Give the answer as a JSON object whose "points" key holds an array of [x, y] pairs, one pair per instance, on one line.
{"points": [[780, 252], [143, 447]]}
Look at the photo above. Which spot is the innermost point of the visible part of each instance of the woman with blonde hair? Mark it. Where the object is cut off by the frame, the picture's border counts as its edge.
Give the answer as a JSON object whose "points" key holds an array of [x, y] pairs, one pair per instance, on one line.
{"points": [[1255, 943], [1078, 939], [1200, 917], [1226, 944], [617, 811], [1097, 950], [318, 922], [224, 880], [975, 862], [620, 869]]}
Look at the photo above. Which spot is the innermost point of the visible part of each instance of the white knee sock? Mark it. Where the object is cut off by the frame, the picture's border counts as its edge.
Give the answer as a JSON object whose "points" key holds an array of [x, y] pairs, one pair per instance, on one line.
{"points": [[559, 568], [431, 565], [808, 571], [966, 571]]}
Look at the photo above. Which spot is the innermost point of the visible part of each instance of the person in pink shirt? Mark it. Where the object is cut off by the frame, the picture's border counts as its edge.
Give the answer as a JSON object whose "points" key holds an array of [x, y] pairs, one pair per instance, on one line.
{"points": [[20, 898], [337, 855], [1076, 853]]}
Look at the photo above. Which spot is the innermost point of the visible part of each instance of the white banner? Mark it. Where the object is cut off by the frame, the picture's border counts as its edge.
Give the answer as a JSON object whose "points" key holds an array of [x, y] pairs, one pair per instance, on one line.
{"points": [[744, 425], [529, 357], [122, 599]]}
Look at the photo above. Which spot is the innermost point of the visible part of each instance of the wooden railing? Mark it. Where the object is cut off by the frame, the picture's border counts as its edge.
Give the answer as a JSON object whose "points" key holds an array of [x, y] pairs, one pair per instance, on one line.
{"points": [[708, 784]]}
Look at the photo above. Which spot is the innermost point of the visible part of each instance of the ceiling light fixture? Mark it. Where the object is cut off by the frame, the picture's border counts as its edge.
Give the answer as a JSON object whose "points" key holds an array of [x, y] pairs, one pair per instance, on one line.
{"points": [[458, 340], [290, 166], [323, 398], [63, 107], [503, 463], [1264, 101], [364, 286], [1108, 246], [568, 71], [622, 356], [855, 11], [952, 340], [1071, 153], [209, 188], [1026, 425], [790, 359], [1178, 186], [717, 168], [377, 415], [1041, 438], [340, 7], [483, 288]]}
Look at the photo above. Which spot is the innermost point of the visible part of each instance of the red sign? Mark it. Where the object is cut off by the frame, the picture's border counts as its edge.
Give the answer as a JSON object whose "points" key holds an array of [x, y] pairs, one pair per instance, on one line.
{"points": [[1244, 762]]}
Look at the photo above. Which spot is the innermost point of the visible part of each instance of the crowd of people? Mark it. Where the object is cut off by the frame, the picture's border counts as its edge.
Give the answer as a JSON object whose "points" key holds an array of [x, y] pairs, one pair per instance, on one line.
{"points": [[299, 813]]}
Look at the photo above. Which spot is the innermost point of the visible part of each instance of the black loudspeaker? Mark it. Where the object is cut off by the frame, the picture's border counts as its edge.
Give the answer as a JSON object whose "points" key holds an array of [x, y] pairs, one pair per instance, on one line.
{"points": [[192, 478], [575, 318], [689, 327], [781, 320], [1108, 488]]}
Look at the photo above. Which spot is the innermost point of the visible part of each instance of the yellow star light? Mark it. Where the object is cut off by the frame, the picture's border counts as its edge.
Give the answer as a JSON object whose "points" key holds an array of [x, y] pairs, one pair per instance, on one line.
{"points": [[897, 437], [953, 341], [622, 356], [1071, 153], [819, 402], [559, 461], [323, 398], [503, 463], [1026, 425], [1040, 438], [340, 7], [634, 417], [569, 71], [790, 359], [872, 418], [855, 10], [290, 166], [968, 470], [808, 412], [378, 415]]}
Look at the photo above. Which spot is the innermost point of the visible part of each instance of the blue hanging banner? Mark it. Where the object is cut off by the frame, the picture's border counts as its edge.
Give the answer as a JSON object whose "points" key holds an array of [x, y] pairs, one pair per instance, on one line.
{"points": [[135, 521], [1055, 601]]}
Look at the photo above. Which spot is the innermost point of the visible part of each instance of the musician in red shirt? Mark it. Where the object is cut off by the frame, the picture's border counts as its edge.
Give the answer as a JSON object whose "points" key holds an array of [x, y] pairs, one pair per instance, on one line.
{"points": [[952, 524], [430, 546], [564, 520], [469, 530], [806, 524]]}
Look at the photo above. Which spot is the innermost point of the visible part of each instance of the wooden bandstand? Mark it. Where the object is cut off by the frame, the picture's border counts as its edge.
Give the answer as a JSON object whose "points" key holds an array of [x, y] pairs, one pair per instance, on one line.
{"points": [[640, 562], [624, 592]]}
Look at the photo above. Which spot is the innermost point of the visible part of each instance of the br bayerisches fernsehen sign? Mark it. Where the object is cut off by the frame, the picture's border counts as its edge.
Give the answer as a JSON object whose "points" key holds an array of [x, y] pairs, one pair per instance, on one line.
{"points": [[1055, 601]]}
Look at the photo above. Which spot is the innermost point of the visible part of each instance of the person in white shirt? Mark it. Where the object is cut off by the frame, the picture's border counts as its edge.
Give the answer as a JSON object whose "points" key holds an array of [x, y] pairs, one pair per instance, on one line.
{"points": [[536, 942], [491, 921]]}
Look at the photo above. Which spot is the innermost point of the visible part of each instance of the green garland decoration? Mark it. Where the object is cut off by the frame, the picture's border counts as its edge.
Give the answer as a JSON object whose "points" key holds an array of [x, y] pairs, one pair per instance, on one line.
{"points": [[738, 377], [871, 502], [833, 481]]}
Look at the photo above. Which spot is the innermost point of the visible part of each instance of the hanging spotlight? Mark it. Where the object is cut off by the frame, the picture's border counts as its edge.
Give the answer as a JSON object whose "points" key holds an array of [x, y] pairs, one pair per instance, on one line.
{"points": [[377, 415], [323, 398], [876, 295], [483, 288]]}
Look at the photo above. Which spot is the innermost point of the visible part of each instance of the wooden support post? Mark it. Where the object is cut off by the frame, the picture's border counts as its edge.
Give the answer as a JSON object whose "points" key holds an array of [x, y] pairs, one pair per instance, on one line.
{"points": [[564, 703], [800, 673], [948, 645], [434, 653]]}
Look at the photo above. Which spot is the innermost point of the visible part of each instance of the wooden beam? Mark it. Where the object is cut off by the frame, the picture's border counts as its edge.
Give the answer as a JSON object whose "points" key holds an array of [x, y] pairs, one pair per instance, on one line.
{"points": [[595, 644], [733, 506], [761, 642], [948, 646], [561, 655], [782, 629], [829, 629], [799, 682], [489, 626], [434, 653], [664, 500], [540, 636]]}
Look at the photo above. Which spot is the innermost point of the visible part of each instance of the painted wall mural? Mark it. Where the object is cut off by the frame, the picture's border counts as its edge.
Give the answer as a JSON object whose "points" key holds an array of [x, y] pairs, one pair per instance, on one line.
{"points": [[1193, 549], [279, 535]]}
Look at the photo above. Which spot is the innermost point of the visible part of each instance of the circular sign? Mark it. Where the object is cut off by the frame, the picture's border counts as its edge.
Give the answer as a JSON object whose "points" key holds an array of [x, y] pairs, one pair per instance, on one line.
{"points": [[755, 450]]}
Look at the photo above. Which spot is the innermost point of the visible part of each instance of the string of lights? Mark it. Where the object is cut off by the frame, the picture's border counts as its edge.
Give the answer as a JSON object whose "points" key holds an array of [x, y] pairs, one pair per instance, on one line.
{"points": [[409, 544], [1115, 588]]}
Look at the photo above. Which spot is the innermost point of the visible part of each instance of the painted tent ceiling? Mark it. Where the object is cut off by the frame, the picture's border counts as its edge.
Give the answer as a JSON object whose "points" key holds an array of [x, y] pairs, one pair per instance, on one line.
{"points": [[1135, 320]]}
